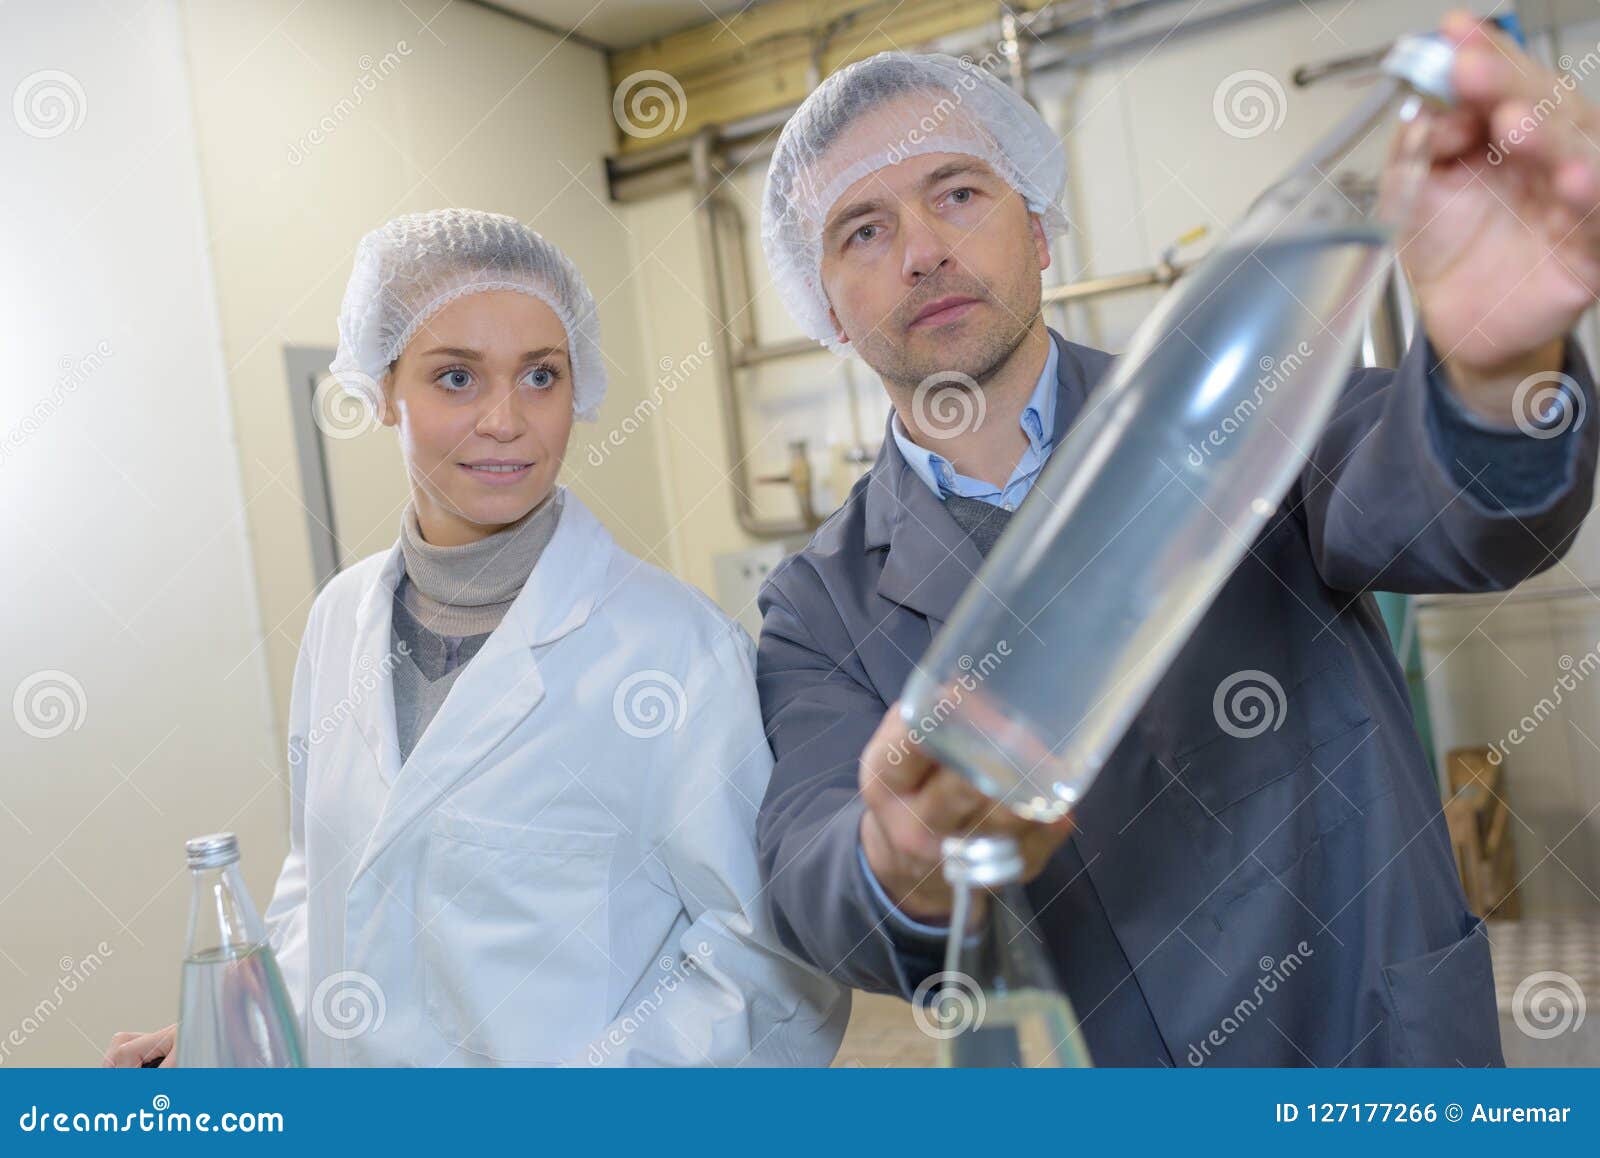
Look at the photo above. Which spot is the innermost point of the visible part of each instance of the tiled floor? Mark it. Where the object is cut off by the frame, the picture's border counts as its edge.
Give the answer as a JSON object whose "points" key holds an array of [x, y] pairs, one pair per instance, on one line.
{"points": [[882, 1033], [1547, 983], [1555, 961]]}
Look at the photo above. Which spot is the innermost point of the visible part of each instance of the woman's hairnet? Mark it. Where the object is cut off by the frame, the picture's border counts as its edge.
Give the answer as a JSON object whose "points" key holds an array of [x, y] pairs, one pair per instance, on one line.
{"points": [[879, 112], [411, 268]]}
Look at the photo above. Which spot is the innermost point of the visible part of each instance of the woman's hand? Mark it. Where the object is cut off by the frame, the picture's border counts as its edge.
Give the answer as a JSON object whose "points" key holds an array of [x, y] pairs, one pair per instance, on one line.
{"points": [[133, 1050]]}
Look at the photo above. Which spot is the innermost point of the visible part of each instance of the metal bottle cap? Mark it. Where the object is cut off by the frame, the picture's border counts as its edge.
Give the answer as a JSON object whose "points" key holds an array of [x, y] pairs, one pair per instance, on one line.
{"points": [[981, 860], [1423, 62], [212, 851]]}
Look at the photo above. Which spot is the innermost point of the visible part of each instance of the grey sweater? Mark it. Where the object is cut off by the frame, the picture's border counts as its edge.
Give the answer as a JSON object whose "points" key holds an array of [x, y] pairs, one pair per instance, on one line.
{"points": [[447, 604]]}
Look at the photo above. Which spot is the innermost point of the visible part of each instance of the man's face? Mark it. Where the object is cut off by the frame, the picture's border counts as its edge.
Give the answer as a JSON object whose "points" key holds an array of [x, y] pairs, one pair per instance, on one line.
{"points": [[932, 265]]}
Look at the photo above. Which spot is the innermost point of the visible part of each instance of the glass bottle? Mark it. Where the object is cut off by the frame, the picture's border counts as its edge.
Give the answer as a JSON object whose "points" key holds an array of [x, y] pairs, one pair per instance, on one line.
{"points": [[1175, 465], [235, 1010], [1000, 1003]]}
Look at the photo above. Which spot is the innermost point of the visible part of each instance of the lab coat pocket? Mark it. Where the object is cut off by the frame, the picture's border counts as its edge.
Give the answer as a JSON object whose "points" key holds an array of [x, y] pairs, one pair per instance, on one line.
{"points": [[515, 937], [1442, 1004]]}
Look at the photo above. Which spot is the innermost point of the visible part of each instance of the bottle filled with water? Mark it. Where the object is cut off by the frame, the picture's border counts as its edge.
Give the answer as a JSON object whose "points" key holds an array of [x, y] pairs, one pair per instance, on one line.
{"points": [[235, 1010], [1179, 458], [1000, 1004]]}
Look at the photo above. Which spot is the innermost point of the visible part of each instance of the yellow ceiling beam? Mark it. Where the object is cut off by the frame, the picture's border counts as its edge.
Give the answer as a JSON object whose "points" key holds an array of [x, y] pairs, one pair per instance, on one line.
{"points": [[761, 59]]}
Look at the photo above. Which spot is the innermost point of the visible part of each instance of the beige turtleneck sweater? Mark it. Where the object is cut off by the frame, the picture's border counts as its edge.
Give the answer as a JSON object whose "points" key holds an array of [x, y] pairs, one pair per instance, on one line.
{"points": [[449, 601]]}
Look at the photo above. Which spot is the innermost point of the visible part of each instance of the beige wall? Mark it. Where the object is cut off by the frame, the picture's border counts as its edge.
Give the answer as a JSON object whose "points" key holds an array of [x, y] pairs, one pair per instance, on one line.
{"points": [[129, 645]]}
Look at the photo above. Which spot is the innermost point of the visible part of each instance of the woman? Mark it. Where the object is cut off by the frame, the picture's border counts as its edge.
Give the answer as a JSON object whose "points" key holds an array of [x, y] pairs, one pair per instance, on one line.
{"points": [[525, 765]]}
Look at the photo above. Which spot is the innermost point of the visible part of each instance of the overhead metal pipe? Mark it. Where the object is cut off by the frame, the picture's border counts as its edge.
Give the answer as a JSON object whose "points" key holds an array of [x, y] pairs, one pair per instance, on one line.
{"points": [[648, 172]]}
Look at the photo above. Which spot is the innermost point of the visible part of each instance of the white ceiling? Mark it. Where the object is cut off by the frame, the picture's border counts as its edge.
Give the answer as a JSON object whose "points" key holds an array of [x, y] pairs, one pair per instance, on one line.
{"points": [[625, 23]]}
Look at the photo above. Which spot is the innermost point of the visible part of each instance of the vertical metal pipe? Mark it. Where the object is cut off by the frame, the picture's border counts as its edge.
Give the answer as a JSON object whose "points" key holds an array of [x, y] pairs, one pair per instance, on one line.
{"points": [[707, 225]]}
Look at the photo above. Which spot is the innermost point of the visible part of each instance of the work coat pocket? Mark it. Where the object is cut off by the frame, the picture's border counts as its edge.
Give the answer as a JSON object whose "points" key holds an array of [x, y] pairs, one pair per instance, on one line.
{"points": [[515, 938], [1442, 1004]]}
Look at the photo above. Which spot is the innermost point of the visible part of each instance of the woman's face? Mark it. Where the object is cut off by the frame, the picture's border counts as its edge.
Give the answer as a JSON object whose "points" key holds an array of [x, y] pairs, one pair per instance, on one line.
{"points": [[482, 399]]}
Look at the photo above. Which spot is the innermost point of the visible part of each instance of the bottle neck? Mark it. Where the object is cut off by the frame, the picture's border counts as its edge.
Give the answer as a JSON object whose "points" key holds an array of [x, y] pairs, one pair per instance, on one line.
{"points": [[995, 940], [222, 920], [1363, 174]]}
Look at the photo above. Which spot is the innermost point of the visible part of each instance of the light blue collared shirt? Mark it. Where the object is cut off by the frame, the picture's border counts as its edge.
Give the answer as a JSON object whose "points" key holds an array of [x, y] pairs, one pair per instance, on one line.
{"points": [[1037, 421]]}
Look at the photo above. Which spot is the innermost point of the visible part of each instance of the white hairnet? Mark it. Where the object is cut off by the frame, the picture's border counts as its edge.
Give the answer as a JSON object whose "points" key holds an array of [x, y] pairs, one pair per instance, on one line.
{"points": [[879, 112], [411, 268]]}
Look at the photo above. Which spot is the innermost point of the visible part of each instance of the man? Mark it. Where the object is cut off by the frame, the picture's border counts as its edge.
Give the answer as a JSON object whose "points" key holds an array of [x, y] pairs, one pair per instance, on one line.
{"points": [[907, 217]]}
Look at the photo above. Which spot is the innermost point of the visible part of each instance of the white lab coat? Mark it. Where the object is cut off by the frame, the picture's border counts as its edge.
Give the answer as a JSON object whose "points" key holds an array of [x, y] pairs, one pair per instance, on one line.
{"points": [[564, 871]]}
